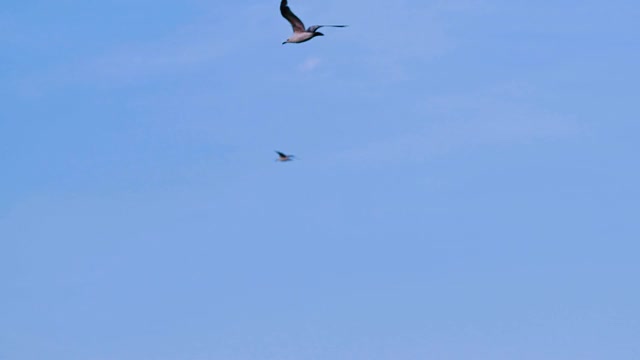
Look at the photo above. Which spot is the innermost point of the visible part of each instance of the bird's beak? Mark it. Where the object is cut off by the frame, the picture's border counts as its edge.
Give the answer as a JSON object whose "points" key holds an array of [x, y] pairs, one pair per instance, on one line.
{"points": [[284, 42]]}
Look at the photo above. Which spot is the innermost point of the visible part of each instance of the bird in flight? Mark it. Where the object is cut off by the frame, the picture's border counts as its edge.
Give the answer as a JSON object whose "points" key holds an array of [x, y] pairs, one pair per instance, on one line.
{"points": [[299, 33], [284, 157]]}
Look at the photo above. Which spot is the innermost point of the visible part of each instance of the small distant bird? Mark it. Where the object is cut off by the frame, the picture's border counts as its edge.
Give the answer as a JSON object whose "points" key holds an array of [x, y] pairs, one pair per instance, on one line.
{"points": [[284, 157], [299, 33]]}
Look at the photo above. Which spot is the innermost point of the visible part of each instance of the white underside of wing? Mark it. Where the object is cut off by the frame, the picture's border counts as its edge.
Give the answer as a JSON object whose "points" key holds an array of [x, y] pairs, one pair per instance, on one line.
{"points": [[300, 37]]}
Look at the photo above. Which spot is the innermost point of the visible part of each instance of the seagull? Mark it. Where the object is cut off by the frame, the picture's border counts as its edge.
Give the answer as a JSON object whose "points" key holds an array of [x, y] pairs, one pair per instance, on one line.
{"points": [[299, 33], [284, 157]]}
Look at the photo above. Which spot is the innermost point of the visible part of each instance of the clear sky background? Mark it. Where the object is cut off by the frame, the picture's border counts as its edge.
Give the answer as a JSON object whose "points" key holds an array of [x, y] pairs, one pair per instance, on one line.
{"points": [[467, 185]]}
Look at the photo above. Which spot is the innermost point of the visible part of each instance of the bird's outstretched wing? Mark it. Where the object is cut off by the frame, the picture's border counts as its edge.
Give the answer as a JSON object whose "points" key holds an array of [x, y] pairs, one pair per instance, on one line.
{"points": [[296, 23], [316, 27], [281, 154]]}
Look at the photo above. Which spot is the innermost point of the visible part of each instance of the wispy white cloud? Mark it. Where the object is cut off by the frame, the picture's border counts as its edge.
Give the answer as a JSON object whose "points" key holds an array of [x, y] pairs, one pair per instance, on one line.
{"points": [[195, 44], [130, 63], [162, 56], [409, 31], [469, 122], [310, 64]]}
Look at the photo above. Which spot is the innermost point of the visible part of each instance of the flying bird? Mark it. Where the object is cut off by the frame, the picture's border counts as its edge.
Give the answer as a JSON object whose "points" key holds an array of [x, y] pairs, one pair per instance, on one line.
{"points": [[284, 157], [299, 33]]}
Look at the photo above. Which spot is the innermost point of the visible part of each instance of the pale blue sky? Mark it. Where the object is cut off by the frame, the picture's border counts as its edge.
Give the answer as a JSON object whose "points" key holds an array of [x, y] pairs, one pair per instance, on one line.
{"points": [[467, 185]]}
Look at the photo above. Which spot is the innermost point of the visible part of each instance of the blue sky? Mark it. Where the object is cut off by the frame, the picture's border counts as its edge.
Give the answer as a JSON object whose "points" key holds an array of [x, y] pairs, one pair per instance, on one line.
{"points": [[467, 185]]}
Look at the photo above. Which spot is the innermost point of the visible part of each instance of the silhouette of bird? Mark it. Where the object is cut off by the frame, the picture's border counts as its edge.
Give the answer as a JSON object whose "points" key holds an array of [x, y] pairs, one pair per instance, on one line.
{"points": [[284, 157], [299, 33]]}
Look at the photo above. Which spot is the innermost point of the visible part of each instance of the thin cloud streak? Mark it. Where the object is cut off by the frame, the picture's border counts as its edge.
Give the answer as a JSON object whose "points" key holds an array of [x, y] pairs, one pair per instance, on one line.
{"points": [[458, 124], [425, 33], [127, 65]]}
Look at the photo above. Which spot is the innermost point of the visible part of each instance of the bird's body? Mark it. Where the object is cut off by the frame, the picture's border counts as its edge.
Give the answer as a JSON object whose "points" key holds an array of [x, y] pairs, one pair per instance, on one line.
{"points": [[284, 157], [300, 37], [300, 34]]}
